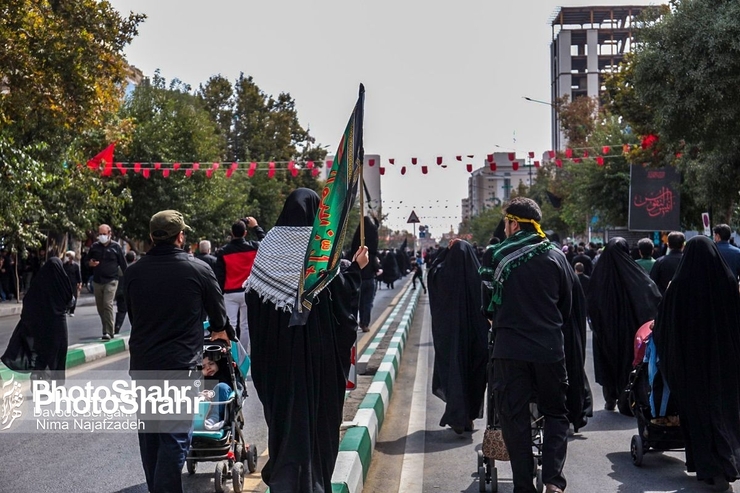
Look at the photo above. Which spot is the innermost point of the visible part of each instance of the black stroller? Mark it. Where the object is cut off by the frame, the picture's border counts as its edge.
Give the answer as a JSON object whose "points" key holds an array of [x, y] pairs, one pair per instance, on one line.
{"points": [[661, 433], [226, 445], [487, 472]]}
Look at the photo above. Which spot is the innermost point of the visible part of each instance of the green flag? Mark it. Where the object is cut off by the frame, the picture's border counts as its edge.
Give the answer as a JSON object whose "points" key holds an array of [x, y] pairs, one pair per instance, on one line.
{"points": [[321, 263]]}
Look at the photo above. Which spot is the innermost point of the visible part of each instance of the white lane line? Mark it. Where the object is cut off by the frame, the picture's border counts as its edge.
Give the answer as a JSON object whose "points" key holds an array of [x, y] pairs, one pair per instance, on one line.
{"points": [[412, 471]]}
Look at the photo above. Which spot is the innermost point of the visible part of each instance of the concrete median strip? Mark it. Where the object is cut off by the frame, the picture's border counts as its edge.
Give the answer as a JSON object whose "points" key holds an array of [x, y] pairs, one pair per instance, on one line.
{"points": [[78, 354], [356, 448]]}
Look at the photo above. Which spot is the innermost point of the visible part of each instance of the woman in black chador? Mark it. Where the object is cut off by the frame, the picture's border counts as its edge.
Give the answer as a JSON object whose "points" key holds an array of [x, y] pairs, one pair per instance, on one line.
{"points": [[697, 335], [460, 334], [621, 297], [300, 372], [39, 341], [391, 269]]}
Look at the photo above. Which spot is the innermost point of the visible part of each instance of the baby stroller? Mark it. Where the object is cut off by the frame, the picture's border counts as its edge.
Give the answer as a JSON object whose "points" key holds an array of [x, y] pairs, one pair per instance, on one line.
{"points": [[226, 445], [487, 472], [646, 384]]}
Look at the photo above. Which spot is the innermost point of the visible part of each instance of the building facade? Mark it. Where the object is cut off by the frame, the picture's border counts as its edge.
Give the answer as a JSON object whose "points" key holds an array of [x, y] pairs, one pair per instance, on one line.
{"points": [[587, 44]]}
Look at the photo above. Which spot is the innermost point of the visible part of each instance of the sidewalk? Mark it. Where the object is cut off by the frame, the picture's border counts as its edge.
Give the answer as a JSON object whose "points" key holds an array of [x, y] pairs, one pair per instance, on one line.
{"points": [[8, 308]]}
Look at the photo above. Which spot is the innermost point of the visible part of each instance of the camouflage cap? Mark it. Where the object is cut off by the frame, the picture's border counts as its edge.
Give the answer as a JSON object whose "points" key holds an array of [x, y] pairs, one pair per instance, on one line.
{"points": [[166, 224]]}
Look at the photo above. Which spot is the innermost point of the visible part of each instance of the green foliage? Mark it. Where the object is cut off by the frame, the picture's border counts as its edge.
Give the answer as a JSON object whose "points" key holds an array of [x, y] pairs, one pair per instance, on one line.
{"points": [[62, 68]]}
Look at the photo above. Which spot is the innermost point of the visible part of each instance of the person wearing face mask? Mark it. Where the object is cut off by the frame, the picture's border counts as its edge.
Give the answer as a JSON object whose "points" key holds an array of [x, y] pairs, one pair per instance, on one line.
{"points": [[106, 258]]}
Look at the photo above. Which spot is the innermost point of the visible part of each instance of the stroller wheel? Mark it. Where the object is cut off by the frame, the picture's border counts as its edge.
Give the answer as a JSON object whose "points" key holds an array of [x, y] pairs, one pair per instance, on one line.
{"points": [[252, 458], [636, 450], [237, 476], [220, 476], [191, 465]]}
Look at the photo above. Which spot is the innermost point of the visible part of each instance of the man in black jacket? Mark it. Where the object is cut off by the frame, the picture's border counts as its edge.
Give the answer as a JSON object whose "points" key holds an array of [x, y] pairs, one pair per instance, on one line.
{"points": [[106, 258], [529, 351], [168, 296], [667, 265]]}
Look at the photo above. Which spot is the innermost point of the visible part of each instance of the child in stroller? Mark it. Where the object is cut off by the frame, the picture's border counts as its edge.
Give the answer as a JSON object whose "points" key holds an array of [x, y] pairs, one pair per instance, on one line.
{"points": [[658, 423], [218, 425]]}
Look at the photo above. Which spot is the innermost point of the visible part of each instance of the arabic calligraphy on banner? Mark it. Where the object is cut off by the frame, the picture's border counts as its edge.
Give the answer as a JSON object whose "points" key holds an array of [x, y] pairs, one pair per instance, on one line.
{"points": [[655, 203]]}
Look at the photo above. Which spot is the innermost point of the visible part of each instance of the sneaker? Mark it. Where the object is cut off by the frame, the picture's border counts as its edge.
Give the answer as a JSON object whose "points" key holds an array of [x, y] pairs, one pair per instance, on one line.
{"points": [[71, 314], [212, 425], [365, 328], [106, 337]]}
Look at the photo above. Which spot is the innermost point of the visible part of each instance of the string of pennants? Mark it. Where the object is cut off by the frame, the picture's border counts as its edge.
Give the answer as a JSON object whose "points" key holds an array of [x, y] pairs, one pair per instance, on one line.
{"points": [[105, 163]]}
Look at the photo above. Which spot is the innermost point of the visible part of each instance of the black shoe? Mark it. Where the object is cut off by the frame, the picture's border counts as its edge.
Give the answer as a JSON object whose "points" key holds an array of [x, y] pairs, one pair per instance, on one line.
{"points": [[610, 405], [117, 330], [457, 429]]}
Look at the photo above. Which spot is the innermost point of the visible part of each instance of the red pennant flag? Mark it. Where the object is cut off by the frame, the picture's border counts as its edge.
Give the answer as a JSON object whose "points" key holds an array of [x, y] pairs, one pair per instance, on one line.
{"points": [[371, 162], [605, 150], [493, 165], [469, 167], [600, 160], [512, 156], [231, 169], [176, 166], [293, 169], [105, 158], [382, 170], [459, 158], [471, 156], [157, 165], [121, 168], [137, 167], [536, 164], [678, 155], [315, 172], [215, 166], [559, 163], [424, 170], [252, 169], [569, 153], [439, 160], [585, 153], [403, 170], [413, 160], [146, 173], [271, 171], [392, 161], [196, 166], [489, 158], [188, 172], [626, 148], [309, 165], [531, 155], [576, 160], [209, 172], [515, 165], [551, 154], [165, 173], [329, 163]]}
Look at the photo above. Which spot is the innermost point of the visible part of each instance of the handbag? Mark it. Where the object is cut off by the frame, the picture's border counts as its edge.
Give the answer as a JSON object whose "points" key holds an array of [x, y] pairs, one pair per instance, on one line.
{"points": [[494, 446]]}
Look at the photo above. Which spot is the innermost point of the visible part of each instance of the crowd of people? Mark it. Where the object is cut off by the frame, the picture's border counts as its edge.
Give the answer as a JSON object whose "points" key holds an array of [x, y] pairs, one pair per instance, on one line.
{"points": [[510, 319]]}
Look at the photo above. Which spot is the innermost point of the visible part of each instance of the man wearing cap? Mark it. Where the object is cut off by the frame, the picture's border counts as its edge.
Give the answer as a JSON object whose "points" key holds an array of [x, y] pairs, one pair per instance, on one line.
{"points": [[106, 258], [233, 265], [168, 295], [527, 293]]}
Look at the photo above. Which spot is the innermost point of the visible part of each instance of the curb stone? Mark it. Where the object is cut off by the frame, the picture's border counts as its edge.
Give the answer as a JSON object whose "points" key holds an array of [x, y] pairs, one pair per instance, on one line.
{"points": [[358, 444]]}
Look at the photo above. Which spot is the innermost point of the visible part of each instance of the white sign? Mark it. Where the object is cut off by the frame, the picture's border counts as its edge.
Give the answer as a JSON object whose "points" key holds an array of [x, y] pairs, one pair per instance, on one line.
{"points": [[705, 222]]}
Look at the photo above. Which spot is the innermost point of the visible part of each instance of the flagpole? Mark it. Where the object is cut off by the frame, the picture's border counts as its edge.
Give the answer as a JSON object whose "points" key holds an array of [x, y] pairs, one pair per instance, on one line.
{"points": [[362, 209]]}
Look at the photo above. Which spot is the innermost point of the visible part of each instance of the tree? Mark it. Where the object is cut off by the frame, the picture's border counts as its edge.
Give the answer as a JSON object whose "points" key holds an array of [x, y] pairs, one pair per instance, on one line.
{"points": [[687, 71], [62, 68]]}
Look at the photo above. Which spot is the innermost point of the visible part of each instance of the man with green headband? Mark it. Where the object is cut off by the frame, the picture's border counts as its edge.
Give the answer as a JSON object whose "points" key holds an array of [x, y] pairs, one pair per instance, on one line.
{"points": [[527, 294]]}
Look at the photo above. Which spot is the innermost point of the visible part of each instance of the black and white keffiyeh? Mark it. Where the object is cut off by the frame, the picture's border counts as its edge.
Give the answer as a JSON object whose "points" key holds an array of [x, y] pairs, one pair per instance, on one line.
{"points": [[276, 272]]}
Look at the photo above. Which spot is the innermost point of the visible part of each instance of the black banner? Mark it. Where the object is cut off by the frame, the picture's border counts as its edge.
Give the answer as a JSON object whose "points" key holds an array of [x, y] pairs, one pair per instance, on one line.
{"points": [[655, 202]]}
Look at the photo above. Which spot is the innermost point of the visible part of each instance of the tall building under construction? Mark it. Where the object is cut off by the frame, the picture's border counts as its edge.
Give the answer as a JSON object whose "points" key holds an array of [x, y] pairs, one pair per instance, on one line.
{"points": [[587, 44]]}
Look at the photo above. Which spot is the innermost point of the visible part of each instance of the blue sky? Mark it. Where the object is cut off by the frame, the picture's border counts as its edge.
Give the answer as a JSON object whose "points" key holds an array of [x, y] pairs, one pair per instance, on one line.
{"points": [[441, 78]]}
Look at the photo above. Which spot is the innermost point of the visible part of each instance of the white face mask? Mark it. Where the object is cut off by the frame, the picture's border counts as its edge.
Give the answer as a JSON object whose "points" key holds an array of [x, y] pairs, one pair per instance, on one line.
{"points": [[103, 238]]}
